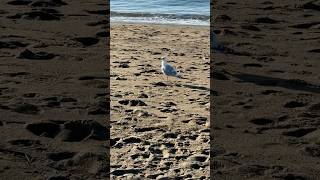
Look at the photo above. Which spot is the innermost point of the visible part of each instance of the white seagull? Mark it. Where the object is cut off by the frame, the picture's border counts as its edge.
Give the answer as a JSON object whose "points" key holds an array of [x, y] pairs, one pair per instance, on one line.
{"points": [[214, 42], [167, 69]]}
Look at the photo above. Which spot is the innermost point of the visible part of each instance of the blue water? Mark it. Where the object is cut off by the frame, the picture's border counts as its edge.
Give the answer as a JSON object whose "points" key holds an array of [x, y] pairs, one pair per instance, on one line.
{"points": [[184, 12]]}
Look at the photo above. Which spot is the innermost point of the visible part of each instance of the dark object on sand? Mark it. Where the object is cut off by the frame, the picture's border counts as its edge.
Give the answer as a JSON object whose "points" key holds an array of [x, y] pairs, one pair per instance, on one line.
{"points": [[19, 2], [87, 41], [46, 3], [27, 54]]}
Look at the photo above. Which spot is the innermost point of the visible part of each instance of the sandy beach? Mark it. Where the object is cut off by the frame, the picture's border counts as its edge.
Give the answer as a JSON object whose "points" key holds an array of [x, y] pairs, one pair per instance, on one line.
{"points": [[160, 128], [53, 88], [54, 83], [266, 90]]}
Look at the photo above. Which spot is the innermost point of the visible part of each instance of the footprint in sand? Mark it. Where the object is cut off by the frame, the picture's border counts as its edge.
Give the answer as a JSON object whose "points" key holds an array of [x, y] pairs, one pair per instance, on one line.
{"points": [[26, 108], [19, 2], [29, 55], [298, 132], [72, 131], [48, 3], [12, 44], [87, 41], [261, 121], [36, 15], [46, 129]]}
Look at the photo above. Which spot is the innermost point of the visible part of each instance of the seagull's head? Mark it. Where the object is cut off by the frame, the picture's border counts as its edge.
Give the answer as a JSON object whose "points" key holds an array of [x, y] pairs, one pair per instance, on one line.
{"points": [[163, 58]]}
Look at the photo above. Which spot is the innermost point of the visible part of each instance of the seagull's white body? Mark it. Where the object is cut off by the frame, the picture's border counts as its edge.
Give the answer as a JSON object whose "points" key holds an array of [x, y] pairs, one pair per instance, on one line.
{"points": [[168, 70]]}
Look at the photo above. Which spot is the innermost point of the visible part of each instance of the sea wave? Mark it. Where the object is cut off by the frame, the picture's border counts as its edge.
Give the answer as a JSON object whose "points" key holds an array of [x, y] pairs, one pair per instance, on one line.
{"points": [[182, 19]]}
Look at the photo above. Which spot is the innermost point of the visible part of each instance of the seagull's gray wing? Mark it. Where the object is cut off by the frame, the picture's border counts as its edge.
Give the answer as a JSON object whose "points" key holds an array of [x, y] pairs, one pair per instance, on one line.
{"points": [[213, 39], [169, 70]]}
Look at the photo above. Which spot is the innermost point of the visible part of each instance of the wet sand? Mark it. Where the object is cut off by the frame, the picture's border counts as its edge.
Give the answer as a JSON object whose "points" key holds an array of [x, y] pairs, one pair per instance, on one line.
{"points": [[266, 90], [159, 129]]}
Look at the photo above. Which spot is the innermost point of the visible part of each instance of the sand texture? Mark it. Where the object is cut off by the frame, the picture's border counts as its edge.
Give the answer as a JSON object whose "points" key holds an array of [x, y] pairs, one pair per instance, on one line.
{"points": [[53, 88], [160, 128], [266, 90]]}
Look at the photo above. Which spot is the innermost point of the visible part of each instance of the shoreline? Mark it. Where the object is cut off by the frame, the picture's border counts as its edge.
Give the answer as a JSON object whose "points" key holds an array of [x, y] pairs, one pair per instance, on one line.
{"points": [[156, 24]]}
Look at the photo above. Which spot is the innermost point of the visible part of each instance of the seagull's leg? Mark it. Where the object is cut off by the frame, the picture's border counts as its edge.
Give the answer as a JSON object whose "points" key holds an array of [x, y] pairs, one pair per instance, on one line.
{"points": [[162, 77]]}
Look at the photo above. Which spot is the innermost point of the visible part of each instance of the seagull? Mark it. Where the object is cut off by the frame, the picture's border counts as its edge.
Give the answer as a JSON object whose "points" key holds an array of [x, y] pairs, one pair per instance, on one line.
{"points": [[215, 45], [214, 42], [168, 70]]}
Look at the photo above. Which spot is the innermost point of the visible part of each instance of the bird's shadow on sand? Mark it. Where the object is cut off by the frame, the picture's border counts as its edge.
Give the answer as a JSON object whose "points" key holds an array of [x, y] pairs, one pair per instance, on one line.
{"points": [[193, 87], [293, 84]]}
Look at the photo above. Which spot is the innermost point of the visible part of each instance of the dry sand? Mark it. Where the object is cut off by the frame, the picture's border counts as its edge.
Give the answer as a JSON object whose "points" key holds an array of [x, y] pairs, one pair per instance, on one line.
{"points": [[159, 129], [266, 84], [53, 88], [266, 94]]}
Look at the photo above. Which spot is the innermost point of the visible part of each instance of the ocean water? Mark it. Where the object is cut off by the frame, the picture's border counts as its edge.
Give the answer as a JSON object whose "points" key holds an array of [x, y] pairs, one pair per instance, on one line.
{"points": [[183, 12]]}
